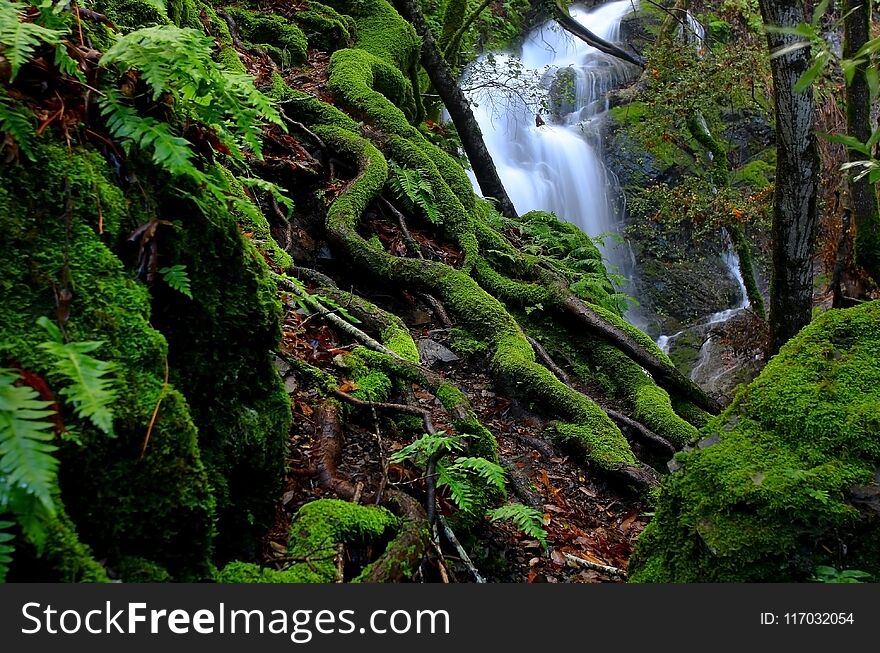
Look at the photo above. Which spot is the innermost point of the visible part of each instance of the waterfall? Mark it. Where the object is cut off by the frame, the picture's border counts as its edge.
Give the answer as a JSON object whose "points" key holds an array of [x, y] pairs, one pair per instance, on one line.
{"points": [[540, 112]]}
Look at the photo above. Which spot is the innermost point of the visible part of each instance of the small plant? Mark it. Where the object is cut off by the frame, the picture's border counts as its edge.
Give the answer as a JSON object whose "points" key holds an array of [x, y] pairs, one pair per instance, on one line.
{"points": [[91, 390], [28, 470], [527, 520], [459, 475], [413, 189], [824, 574], [177, 278]]}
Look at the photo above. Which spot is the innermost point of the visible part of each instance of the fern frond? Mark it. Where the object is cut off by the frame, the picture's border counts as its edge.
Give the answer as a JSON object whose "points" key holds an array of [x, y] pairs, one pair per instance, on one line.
{"points": [[19, 39], [413, 188], [273, 189], [91, 388], [15, 120], [490, 472], [427, 445], [178, 279], [7, 548], [26, 463], [461, 489], [527, 520]]}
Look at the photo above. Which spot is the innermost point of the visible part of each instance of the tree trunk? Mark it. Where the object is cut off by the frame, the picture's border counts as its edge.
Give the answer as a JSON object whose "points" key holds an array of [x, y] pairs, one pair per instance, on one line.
{"points": [[459, 109], [856, 32], [797, 174]]}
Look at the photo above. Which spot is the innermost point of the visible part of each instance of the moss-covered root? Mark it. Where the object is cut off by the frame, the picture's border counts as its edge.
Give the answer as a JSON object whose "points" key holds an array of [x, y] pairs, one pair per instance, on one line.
{"points": [[405, 552], [319, 526], [513, 358], [71, 560], [777, 486]]}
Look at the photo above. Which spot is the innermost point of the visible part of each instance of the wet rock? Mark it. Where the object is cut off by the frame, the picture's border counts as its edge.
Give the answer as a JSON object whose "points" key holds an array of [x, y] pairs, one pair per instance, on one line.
{"points": [[705, 443], [433, 353], [282, 366], [290, 384]]}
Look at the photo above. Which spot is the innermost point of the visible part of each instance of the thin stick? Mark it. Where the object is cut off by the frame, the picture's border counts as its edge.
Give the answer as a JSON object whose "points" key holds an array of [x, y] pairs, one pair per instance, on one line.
{"points": [[465, 558], [156, 410]]}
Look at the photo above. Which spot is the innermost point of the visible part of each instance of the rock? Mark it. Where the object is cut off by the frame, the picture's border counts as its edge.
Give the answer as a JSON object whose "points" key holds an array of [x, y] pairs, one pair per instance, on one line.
{"points": [[282, 366], [705, 443], [673, 465], [433, 353], [290, 384]]}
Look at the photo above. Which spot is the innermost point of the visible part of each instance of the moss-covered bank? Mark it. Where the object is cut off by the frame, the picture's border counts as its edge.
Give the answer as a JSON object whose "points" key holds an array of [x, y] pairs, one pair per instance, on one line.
{"points": [[780, 483]]}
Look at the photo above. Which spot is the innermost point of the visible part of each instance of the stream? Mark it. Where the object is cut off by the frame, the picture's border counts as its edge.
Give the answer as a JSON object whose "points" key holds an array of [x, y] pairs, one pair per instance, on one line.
{"points": [[541, 112]]}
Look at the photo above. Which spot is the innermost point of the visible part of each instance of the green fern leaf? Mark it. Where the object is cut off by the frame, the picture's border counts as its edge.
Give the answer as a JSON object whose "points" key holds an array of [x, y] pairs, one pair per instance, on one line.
{"points": [[461, 489], [527, 520], [91, 390], [7, 548], [490, 472], [26, 463], [177, 278], [428, 445], [19, 39], [15, 120]]}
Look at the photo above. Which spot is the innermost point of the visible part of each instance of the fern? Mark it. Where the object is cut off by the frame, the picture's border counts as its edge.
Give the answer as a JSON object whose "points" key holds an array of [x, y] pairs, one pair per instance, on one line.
{"points": [[177, 278], [426, 446], [19, 39], [413, 188], [26, 464], [460, 485], [7, 548], [15, 120], [177, 61], [527, 520], [272, 189], [91, 390], [490, 472], [171, 152]]}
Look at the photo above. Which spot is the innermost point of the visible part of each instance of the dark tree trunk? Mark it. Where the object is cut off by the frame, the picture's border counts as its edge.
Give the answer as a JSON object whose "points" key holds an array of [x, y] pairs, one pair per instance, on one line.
{"points": [[797, 174], [863, 198], [459, 109]]}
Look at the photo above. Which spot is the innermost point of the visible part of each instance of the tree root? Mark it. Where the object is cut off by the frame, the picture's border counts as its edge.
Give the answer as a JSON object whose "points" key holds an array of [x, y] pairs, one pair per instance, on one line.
{"points": [[405, 552]]}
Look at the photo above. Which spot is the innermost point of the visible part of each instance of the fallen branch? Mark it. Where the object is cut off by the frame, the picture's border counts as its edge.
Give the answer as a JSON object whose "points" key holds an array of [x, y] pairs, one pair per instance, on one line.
{"points": [[465, 558], [595, 566], [570, 25], [381, 405]]}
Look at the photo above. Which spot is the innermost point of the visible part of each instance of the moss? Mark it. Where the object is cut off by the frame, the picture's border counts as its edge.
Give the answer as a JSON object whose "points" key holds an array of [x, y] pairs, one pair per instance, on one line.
{"points": [[754, 174], [161, 505], [320, 525], [70, 559], [129, 15], [767, 497], [399, 340], [325, 28], [238, 572], [464, 343], [273, 30], [237, 398], [134, 569], [581, 438], [254, 222]]}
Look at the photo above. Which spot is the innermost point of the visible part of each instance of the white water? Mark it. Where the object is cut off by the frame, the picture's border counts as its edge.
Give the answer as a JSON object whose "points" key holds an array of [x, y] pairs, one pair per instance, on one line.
{"points": [[556, 166]]}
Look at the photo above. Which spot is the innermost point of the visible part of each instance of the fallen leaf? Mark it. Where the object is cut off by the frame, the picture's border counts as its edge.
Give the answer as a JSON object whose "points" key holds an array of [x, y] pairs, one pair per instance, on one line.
{"points": [[630, 518], [558, 558]]}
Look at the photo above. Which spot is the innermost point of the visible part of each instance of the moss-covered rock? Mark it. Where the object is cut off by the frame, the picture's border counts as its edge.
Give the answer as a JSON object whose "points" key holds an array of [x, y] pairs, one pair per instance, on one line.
{"points": [[161, 506], [285, 40], [774, 489]]}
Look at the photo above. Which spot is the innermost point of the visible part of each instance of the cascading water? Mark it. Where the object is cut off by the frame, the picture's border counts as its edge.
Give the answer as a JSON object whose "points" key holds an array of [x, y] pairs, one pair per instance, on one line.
{"points": [[550, 161]]}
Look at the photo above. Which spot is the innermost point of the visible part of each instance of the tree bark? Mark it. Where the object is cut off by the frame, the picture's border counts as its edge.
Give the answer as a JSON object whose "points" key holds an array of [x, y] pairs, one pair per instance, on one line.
{"points": [[459, 110], [863, 198], [797, 174]]}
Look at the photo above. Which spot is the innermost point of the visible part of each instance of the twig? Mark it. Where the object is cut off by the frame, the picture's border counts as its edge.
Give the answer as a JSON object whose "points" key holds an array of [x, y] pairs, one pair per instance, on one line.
{"points": [[437, 309], [302, 128], [465, 558], [595, 566], [156, 410], [381, 405], [358, 490], [382, 458], [548, 362], [411, 245], [340, 562]]}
